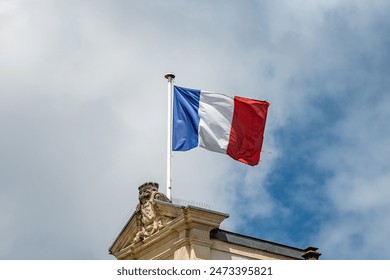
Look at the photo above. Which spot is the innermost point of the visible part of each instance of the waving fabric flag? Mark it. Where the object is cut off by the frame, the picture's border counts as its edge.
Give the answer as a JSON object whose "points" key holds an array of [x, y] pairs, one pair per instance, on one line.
{"points": [[219, 123]]}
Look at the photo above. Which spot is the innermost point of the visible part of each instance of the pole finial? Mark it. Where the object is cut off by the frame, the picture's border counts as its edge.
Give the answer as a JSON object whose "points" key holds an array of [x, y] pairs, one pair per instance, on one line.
{"points": [[169, 76]]}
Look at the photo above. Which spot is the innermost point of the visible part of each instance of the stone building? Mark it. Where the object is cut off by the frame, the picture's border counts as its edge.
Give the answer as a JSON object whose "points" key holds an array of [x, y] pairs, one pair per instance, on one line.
{"points": [[161, 230]]}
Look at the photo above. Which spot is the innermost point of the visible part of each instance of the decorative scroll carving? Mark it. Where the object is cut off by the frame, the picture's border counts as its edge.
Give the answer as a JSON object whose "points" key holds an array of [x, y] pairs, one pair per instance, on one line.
{"points": [[149, 220]]}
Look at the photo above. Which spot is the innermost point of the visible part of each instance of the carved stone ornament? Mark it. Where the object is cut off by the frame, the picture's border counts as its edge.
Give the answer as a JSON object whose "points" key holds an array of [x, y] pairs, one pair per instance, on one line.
{"points": [[149, 220]]}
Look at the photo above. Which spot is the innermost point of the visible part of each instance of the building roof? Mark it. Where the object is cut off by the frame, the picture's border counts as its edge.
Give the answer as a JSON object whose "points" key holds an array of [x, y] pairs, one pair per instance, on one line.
{"points": [[261, 244]]}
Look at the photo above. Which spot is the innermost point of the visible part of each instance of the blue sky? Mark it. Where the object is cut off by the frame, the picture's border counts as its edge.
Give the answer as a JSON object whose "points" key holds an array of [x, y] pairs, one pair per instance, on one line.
{"points": [[83, 120]]}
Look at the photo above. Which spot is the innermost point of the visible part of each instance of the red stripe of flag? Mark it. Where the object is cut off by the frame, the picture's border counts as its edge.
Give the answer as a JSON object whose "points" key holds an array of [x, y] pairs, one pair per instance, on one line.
{"points": [[246, 135]]}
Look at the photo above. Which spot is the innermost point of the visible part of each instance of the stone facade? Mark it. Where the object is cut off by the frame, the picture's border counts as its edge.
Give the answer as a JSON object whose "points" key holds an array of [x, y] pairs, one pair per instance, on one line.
{"points": [[161, 230]]}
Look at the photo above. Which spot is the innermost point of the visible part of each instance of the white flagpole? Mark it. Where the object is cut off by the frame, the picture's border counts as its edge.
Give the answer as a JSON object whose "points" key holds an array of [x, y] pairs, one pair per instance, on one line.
{"points": [[169, 77]]}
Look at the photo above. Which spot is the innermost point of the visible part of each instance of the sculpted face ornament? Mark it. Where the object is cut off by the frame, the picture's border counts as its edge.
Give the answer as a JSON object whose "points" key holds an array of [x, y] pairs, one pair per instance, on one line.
{"points": [[149, 220]]}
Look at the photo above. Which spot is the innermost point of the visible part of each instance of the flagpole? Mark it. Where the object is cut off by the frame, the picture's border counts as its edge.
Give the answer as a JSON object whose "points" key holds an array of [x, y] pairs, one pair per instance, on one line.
{"points": [[170, 77]]}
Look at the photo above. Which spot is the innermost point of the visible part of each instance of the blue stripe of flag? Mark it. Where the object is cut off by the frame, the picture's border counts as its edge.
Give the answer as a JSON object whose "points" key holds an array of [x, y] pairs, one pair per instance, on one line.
{"points": [[185, 118]]}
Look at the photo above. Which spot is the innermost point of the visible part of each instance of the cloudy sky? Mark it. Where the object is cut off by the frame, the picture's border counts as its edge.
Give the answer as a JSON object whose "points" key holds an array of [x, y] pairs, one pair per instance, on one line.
{"points": [[83, 120]]}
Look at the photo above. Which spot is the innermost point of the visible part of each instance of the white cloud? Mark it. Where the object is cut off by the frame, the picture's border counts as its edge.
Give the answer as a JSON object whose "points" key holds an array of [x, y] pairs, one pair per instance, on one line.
{"points": [[358, 191]]}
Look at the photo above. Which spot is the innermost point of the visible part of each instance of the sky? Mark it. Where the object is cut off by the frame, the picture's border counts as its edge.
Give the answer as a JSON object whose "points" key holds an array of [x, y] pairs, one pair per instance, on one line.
{"points": [[83, 120]]}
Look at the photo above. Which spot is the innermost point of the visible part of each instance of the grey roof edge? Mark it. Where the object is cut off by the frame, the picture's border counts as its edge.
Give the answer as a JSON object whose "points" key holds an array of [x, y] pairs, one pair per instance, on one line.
{"points": [[261, 244]]}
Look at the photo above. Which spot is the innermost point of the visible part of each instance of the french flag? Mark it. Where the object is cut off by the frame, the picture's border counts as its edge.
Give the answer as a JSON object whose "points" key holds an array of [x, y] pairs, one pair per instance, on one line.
{"points": [[219, 123]]}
